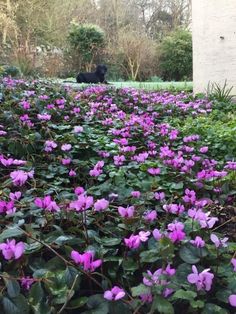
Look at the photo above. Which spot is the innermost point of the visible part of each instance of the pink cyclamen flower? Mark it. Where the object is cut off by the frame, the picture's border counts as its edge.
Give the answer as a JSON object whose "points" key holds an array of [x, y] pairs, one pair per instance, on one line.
{"points": [[136, 194], [157, 235], [174, 208], [144, 235], [133, 242], [44, 116], [66, 147], [66, 161], [47, 203], [190, 196], [26, 282], [2, 133], [101, 205], [79, 190], [232, 300], [198, 242], [119, 160], [203, 218], [150, 216], [49, 146], [97, 170], [146, 297], [177, 234], [82, 203], [154, 171], [72, 173], [86, 260], [19, 177], [25, 104], [115, 294], [78, 129], [159, 196], [203, 280], [233, 262], [218, 242], [12, 250], [127, 212], [203, 149], [15, 196], [7, 207], [156, 277]]}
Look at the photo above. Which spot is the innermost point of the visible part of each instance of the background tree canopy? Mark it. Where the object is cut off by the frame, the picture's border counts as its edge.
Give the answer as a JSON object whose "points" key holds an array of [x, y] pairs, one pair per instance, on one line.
{"points": [[52, 38]]}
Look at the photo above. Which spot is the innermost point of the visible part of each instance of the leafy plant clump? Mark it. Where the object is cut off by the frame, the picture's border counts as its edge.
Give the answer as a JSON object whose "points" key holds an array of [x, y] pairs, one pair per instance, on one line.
{"points": [[107, 208]]}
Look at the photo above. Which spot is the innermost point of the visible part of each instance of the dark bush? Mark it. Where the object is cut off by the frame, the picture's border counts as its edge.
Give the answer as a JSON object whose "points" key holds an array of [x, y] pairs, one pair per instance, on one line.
{"points": [[176, 56]]}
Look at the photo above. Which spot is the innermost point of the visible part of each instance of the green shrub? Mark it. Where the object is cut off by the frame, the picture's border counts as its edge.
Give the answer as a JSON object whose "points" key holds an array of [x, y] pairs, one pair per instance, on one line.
{"points": [[220, 93], [11, 71], [176, 56], [88, 40], [217, 129]]}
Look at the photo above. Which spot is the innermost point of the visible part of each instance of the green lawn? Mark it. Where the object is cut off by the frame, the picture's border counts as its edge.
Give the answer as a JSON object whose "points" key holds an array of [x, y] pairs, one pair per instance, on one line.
{"points": [[179, 86]]}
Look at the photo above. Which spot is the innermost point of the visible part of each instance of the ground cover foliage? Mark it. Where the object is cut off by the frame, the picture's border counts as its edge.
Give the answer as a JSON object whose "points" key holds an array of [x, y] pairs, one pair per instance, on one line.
{"points": [[108, 201]]}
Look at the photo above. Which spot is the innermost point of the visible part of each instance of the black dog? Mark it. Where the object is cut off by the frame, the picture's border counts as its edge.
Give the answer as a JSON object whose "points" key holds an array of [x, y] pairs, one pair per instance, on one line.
{"points": [[93, 77]]}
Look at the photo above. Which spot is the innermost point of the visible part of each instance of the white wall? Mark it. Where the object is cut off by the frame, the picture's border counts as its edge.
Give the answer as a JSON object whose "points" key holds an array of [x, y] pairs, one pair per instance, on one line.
{"points": [[214, 58]]}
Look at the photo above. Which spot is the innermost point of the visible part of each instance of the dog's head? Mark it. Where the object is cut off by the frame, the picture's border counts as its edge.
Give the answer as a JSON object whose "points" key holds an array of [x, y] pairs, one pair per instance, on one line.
{"points": [[101, 69]]}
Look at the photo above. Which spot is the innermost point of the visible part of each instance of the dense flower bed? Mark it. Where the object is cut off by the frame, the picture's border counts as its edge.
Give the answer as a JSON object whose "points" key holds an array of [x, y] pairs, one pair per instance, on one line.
{"points": [[106, 208]]}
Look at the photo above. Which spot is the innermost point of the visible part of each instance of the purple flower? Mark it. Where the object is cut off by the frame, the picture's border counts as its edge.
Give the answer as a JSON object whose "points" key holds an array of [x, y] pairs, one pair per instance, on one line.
{"points": [[230, 165], [47, 203], [154, 171], [177, 234], [159, 196], [174, 208], [232, 300], [203, 280], [79, 190], [198, 242], [141, 157], [26, 282], [19, 177], [72, 173], [101, 205], [82, 203], [44, 116], [49, 146], [157, 278], [15, 196], [136, 194], [127, 212], [25, 104], [66, 147], [119, 160], [12, 250], [97, 170], [233, 262], [115, 294], [66, 161], [157, 234], [203, 149], [86, 260], [144, 235], [218, 242], [204, 219], [7, 207], [78, 129], [150, 216], [190, 196], [146, 297], [133, 242]]}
